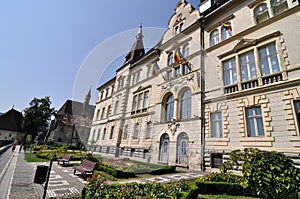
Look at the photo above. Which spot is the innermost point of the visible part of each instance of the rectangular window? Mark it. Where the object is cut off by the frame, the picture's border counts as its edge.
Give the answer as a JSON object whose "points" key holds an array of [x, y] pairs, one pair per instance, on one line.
{"points": [[125, 134], [230, 76], [134, 102], [99, 132], [216, 125], [248, 67], [103, 113], [136, 131], [169, 75], [104, 132], [216, 160], [254, 119], [116, 107], [185, 69], [146, 99], [111, 132], [108, 111], [140, 101], [297, 110], [177, 72], [268, 59], [149, 129]]}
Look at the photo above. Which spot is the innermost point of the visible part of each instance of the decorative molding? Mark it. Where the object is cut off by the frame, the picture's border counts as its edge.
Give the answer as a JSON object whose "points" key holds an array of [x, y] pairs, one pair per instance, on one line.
{"points": [[288, 98]]}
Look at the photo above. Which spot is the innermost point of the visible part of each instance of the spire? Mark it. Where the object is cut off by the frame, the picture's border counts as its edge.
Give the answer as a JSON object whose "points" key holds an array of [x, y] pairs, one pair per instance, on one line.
{"points": [[139, 34], [87, 99], [137, 50]]}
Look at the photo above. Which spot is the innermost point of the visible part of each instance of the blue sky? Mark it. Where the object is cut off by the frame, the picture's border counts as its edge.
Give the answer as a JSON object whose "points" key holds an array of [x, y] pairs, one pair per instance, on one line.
{"points": [[45, 42]]}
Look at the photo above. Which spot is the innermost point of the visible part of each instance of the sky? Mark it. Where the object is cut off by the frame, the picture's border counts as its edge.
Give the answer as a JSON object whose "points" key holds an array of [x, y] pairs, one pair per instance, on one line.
{"points": [[47, 45]]}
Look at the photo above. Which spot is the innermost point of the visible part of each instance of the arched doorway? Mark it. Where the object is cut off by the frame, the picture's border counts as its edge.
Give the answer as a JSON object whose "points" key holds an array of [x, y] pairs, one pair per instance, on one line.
{"points": [[182, 149], [164, 148]]}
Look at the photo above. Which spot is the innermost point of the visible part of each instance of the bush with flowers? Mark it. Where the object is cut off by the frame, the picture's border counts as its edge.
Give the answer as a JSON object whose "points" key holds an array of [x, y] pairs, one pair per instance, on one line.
{"points": [[97, 187]]}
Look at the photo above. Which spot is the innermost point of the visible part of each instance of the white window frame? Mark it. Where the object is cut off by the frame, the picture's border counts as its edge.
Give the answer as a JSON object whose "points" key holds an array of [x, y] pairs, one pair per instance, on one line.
{"points": [[256, 117], [216, 124]]}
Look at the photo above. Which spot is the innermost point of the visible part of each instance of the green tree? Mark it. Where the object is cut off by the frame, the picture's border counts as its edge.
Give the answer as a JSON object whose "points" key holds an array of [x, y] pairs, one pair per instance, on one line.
{"points": [[37, 117]]}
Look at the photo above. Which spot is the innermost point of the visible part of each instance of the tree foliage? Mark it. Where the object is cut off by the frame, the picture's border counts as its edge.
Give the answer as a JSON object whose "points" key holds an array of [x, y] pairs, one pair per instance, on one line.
{"points": [[37, 117], [269, 174]]}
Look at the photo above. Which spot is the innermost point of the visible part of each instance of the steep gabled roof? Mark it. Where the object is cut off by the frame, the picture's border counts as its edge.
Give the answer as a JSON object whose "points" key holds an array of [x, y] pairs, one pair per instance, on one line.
{"points": [[11, 121], [76, 108]]}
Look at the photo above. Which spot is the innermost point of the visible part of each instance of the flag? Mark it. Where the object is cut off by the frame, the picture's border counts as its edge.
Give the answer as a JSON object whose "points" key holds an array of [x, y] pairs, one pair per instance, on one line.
{"points": [[155, 69], [178, 56], [227, 26]]}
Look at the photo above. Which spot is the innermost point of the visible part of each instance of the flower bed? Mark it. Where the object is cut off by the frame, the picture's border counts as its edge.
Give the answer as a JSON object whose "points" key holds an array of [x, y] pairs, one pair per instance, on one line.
{"points": [[97, 187]]}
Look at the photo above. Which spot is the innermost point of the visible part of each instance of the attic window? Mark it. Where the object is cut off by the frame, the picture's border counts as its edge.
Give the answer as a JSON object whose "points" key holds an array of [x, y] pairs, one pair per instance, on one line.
{"points": [[179, 28]]}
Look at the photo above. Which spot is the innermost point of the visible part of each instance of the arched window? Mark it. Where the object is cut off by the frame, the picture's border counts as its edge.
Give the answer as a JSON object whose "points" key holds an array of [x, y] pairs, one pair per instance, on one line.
{"points": [[261, 13], [226, 31], [186, 50], [169, 108], [186, 105], [279, 6], [170, 59], [214, 37], [164, 148]]}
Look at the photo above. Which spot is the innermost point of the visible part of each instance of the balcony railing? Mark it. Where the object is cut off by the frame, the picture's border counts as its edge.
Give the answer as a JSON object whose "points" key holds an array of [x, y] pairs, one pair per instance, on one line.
{"points": [[249, 84], [272, 79]]}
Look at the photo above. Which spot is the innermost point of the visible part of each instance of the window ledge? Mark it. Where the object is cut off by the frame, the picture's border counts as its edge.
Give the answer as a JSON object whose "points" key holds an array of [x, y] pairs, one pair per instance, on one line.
{"points": [[257, 141], [217, 141]]}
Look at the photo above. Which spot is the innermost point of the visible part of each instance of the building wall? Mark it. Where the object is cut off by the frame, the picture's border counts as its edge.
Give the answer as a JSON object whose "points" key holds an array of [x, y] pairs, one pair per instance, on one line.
{"points": [[276, 97], [145, 147]]}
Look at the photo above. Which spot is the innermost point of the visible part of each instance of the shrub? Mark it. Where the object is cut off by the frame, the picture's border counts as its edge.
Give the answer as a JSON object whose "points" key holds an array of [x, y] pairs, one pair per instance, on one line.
{"points": [[267, 174]]}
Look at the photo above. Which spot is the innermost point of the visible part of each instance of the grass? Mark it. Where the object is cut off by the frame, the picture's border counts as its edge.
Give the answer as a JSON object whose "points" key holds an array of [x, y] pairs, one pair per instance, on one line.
{"points": [[29, 157]]}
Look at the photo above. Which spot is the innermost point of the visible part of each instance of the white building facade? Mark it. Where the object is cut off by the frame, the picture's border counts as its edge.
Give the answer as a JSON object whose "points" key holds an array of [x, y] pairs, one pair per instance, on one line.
{"points": [[221, 78]]}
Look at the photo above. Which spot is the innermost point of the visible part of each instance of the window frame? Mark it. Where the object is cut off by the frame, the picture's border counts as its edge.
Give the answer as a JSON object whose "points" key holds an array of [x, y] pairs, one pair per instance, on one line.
{"points": [[259, 11], [232, 70], [186, 105], [214, 37], [257, 121], [248, 66], [297, 114], [216, 124], [169, 108]]}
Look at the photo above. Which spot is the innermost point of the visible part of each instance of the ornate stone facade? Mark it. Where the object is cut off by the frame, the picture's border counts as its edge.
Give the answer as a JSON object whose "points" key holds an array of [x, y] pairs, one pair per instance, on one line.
{"points": [[223, 77]]}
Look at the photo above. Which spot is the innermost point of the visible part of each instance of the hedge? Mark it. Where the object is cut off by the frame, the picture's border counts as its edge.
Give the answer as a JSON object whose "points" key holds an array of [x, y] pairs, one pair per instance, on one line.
{"points": [[222, 188]]}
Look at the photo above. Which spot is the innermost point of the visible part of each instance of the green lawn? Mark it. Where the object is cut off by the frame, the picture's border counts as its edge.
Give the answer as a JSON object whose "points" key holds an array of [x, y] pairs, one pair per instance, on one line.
{"points": [[29, 157]]}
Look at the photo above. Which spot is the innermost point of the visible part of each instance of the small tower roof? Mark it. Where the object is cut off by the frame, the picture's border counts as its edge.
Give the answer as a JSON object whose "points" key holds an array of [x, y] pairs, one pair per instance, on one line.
{"points": [[137, 50]]}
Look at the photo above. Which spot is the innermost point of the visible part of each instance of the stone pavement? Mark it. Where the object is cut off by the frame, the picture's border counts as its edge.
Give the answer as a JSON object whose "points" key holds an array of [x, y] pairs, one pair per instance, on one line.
{"points": [[63, 183]]}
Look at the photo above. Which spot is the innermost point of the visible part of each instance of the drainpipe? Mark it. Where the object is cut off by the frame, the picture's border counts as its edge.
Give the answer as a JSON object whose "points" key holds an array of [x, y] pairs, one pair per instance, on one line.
{"points": [[202, 67]]}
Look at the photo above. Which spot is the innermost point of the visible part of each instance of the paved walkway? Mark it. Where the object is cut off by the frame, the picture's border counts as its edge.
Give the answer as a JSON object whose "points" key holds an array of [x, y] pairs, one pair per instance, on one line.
{"points": [[63, 183]]}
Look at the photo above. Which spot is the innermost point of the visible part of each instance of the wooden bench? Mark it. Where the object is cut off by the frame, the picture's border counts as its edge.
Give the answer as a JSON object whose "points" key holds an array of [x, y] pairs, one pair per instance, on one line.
{"points": [[65, 159], [86, 167]]}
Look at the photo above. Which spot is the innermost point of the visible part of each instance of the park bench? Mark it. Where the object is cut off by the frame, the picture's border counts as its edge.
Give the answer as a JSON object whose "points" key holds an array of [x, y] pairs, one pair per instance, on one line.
{"points": [[86, 167], [65, 159]]}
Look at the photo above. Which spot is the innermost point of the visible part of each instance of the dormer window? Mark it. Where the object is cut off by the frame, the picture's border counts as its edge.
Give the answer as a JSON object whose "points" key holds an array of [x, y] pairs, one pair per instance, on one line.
{"points": [[179, 28], [279, 6], [261, 13]]}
